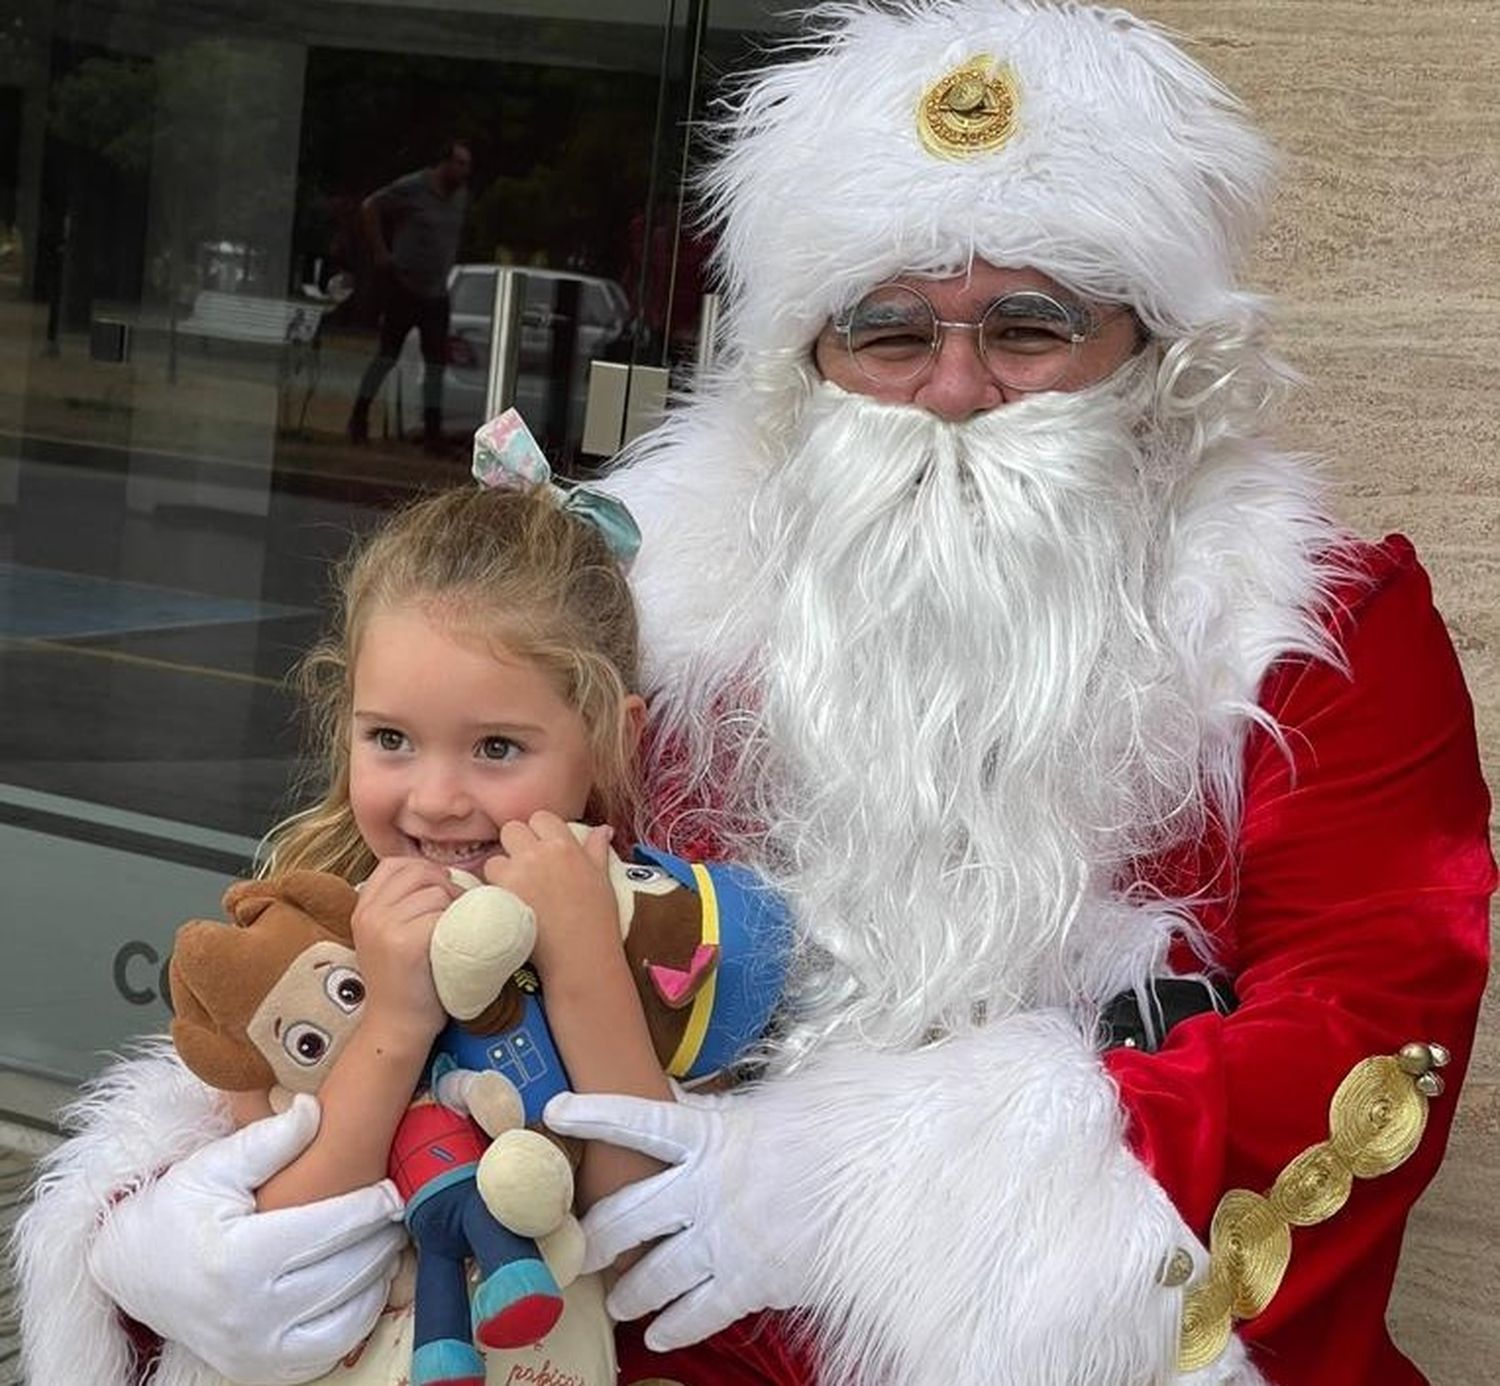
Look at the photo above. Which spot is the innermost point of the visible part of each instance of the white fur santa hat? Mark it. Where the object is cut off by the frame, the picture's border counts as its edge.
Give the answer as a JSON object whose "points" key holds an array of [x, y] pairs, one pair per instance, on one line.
{"points": [[1077, 140]]}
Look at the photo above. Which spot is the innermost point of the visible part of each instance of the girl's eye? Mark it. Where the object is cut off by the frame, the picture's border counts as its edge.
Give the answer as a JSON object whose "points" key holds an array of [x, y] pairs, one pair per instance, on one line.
{"points": [[388, 738], [498, 748]]}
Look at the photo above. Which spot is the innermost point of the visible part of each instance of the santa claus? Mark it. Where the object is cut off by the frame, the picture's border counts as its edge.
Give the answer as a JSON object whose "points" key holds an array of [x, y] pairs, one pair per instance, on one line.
{"points": [[1129, 808]]}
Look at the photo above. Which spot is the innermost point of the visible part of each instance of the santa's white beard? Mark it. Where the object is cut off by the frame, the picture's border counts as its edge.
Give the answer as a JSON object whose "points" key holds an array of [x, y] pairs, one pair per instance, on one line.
{"points": [[968, 718]]}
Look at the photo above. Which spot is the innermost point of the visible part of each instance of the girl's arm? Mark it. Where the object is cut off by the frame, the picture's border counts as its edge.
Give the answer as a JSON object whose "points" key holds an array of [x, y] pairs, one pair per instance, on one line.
{"points": [[371, 1083], [596, 1019], [592, 1006]]}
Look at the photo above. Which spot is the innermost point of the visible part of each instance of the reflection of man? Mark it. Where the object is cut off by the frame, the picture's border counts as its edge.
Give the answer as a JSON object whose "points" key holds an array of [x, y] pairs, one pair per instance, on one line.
{"points": [[424, 213], [976, 595]]}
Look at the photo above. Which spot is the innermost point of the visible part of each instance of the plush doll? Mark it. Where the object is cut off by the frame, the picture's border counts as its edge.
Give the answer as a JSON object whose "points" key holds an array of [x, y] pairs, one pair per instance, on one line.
{"points": [[707, 946], [268, 1005]]}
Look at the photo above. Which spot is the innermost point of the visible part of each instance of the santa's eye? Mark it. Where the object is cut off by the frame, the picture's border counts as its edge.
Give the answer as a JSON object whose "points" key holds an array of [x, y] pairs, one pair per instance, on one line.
{"points": [[345, 988], [644, 875], [306, 1043]]}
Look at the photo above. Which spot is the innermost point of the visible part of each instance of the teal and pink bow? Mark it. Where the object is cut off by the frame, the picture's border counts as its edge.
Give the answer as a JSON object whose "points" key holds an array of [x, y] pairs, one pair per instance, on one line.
{"points": [[507, 456]]}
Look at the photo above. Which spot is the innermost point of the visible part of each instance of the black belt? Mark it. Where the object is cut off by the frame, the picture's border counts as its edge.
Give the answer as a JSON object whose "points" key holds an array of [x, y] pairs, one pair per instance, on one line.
{"points": [[1169, 1001]]}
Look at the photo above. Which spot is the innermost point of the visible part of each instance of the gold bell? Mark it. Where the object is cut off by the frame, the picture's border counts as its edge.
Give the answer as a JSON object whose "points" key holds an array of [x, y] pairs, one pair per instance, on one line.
{"points": [[1176, 1269], [1429, 1085], [1415, 1059]]}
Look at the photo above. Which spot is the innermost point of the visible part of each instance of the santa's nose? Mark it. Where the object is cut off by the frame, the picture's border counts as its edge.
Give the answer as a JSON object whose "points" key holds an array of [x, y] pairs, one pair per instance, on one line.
{"points": [[958, 386]]}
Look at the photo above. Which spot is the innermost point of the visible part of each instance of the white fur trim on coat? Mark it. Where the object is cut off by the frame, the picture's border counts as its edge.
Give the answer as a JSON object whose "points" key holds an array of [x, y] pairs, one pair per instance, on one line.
{"points": [[985, 1223], [140, 1116]]}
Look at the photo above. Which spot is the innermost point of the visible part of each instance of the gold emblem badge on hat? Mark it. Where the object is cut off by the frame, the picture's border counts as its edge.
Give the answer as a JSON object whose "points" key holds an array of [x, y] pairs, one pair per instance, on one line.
{"points": [[970, 111]]}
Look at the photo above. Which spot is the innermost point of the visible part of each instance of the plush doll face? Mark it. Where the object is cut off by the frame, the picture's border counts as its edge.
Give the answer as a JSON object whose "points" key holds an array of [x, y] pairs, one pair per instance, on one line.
{"points": [[307, 1016], [267, 1001], [664, 946], [633, 879]]}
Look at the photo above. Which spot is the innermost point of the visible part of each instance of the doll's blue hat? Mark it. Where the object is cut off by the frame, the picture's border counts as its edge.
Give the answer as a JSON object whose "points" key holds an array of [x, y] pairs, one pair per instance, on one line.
{"points": [[752, 929]]}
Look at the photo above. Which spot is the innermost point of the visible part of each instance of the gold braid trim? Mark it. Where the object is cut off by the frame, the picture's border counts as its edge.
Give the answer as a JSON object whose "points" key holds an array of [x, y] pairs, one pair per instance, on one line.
{"points": [[1375, 1122]]}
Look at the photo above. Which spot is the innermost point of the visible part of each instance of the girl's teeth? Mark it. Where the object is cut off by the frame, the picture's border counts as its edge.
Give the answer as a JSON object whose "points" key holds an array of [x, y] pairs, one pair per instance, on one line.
{"points": [[446, 852]]}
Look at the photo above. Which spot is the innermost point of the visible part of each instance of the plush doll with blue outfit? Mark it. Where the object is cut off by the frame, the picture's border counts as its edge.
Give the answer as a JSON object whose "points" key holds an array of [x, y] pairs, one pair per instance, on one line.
{"points": [[707, 945], [268, 1002]]}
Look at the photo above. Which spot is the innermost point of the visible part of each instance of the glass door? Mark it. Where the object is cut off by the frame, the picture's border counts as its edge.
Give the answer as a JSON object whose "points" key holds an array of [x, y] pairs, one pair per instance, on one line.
{"points": [[249, 262], [213, 219]]}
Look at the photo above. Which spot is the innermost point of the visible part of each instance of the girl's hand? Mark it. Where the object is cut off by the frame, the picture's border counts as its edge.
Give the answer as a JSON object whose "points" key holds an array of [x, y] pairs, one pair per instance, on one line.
{"points": [[370, 1084], [566, 883], [398, 907]]}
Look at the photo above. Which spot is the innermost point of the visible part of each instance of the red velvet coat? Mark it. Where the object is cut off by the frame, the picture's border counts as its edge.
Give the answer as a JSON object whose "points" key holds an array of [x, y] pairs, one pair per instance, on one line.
{"points": [[1352, 917]]}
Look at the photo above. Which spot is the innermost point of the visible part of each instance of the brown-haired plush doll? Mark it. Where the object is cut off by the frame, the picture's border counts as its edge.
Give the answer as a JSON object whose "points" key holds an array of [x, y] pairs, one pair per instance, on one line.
{"points": [[267, 1003]]}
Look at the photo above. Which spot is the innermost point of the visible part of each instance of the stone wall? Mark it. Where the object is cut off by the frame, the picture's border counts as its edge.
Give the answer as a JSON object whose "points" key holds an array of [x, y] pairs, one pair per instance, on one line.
{"points": [[1384, 258]]}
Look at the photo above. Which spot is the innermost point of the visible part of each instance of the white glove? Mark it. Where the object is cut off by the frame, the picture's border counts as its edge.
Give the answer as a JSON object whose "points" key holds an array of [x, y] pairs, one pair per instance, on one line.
{"points": [[274, 1297], [732, 1245]]}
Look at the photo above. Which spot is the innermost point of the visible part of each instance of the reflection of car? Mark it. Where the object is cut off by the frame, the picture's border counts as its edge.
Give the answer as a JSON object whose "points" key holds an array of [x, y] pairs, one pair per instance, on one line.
{"points": [[231, 266], [556, 304]]}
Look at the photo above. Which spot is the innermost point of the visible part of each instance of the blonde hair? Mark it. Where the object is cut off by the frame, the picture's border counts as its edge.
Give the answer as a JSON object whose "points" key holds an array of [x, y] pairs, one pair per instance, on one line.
{"points": [[511, 568]]}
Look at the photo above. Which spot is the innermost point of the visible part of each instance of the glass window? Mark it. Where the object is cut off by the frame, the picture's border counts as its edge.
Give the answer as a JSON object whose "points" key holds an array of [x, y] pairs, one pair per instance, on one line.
{"points": [[213, 220], [247, 270], [473, 291]]}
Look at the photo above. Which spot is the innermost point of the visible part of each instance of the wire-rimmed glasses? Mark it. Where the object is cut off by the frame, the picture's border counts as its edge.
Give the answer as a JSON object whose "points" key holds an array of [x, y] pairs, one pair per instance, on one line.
{"points": [[1026, 339]]}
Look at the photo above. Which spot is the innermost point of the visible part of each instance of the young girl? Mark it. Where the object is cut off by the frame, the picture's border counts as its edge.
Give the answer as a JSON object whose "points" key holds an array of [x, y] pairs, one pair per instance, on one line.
{"points": [[476, 696], [478, 692]]}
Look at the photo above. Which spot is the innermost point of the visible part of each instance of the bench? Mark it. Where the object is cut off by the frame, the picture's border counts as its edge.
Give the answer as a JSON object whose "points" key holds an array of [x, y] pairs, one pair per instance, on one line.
{"points": [[243, 318], [290, 327]]}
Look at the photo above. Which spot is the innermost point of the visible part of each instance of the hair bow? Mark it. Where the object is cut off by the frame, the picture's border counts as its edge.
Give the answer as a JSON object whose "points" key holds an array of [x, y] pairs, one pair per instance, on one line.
{"points": [[507, 456]]}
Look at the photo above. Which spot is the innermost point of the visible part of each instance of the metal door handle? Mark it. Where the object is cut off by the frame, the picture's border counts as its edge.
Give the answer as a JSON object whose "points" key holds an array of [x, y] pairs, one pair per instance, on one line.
{"points": [[708, 336], [604, 410], [505, 340], [623, 402]]}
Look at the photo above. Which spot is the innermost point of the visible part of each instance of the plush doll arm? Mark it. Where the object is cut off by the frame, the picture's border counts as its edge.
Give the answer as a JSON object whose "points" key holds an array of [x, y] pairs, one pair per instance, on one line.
{"points": [[489, 1097], [479, 941]]}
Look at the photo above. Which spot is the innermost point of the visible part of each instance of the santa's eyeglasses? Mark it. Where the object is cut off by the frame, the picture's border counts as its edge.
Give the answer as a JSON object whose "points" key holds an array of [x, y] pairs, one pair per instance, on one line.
{"points": [[1025, 339]]}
